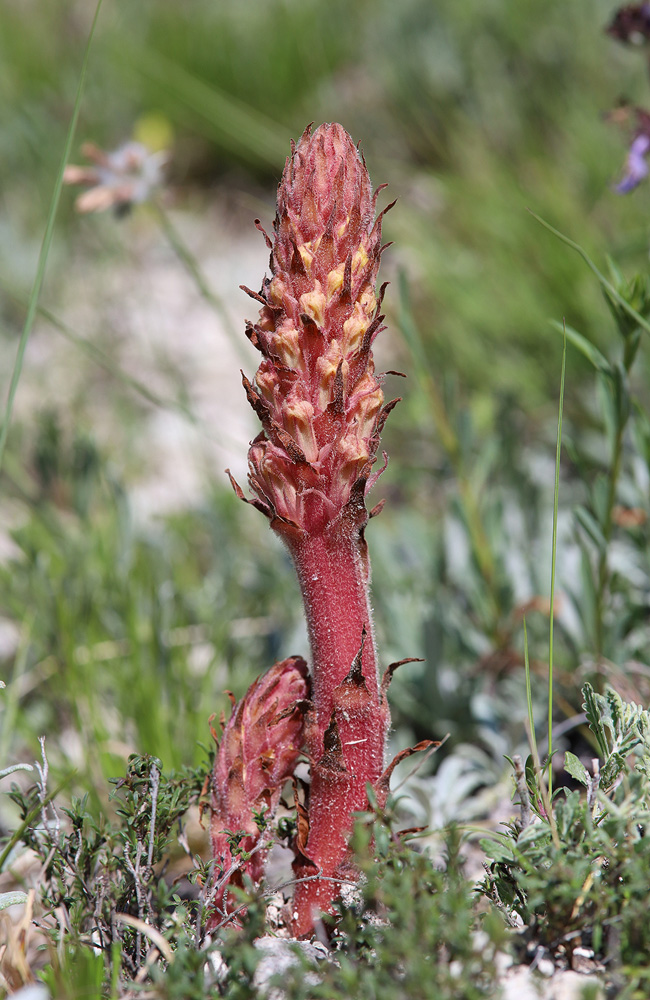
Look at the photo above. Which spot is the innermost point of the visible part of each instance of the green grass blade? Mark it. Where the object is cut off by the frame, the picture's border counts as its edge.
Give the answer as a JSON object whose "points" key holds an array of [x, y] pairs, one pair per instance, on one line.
{"points": [[529, 697], [544, 793], [237, 126], [589, 350], [607, 285], [556, 494], [45, 247]]}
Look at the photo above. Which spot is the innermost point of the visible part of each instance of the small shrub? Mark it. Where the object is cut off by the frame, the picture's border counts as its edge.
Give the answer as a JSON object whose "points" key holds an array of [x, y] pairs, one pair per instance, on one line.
{"points": [[577, 875]]}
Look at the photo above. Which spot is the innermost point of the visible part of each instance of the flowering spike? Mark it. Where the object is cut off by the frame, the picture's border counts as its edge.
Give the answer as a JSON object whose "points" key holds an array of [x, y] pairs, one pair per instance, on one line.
{"points": [[322, 411], [256, 755], [320, 312]]}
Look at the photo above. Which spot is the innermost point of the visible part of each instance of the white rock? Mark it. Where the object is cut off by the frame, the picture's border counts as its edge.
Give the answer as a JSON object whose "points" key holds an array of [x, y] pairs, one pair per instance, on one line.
{"points": [[215, 968], [35, 991], [570, 986], [279, 955], [546, 967], [524, 984], [521, 985]]}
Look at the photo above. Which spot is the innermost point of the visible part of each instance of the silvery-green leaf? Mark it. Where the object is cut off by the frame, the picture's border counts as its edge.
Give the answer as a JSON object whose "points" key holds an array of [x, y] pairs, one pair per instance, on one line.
{"points": [[12, 899], [593, 706], [15, 767], [576, 768], [610, 772]]}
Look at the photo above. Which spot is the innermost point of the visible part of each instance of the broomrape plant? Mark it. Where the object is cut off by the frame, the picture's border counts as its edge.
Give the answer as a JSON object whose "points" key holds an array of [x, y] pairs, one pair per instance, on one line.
{"points": [[322, 410]]}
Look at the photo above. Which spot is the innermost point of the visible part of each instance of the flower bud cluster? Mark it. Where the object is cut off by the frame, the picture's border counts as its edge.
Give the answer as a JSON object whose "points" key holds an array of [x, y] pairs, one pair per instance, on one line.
{"points": [[256, 755]]}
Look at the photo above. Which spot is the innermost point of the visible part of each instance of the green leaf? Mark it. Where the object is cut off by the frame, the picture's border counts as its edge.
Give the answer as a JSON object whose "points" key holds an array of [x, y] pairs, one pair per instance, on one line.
{"points": [[610, 772], [617, 711], [641, 432], [537, 834], [621, 394], [600, 497], [615, 272], [585, 594], [574, 766], [593, 712], [590, 351], [608, 407], [605, 284], [531, 775], [497, 851], [591, 526], [29, 818]]}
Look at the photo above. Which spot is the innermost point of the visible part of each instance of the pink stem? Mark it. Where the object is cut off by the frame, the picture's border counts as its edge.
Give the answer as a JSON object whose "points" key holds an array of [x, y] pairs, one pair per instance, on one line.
{"points": [[333, 572], [346, 745]]}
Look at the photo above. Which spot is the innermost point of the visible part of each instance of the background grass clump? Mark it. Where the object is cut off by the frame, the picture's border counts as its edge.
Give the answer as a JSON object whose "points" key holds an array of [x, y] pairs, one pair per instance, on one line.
{"points": [[135, 590]]}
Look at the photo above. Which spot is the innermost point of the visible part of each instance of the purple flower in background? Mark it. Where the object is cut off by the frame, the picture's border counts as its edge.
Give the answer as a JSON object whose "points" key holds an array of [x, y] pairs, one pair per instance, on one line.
{"points": [[636, 121], [636, 167], [631, 24]]}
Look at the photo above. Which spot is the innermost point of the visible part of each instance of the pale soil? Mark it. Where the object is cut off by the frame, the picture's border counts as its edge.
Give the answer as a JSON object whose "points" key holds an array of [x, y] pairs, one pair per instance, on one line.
{"points": [[142, 308]]}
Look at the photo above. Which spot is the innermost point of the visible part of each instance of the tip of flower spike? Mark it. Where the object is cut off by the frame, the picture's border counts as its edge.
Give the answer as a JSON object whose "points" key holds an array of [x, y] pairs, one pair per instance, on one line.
{"points": [[324, 177]]}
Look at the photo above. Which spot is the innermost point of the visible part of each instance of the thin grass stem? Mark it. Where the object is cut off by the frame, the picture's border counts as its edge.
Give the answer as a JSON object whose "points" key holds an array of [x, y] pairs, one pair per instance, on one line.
{"points": [[607, 285], [556, 494], [529, 696], [191, 265], [45, 246]]}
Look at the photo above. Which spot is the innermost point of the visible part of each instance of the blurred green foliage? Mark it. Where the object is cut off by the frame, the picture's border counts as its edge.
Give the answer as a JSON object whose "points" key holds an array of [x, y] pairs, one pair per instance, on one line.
{"points": [[472, 111], [129, 630], [131, 635]]}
